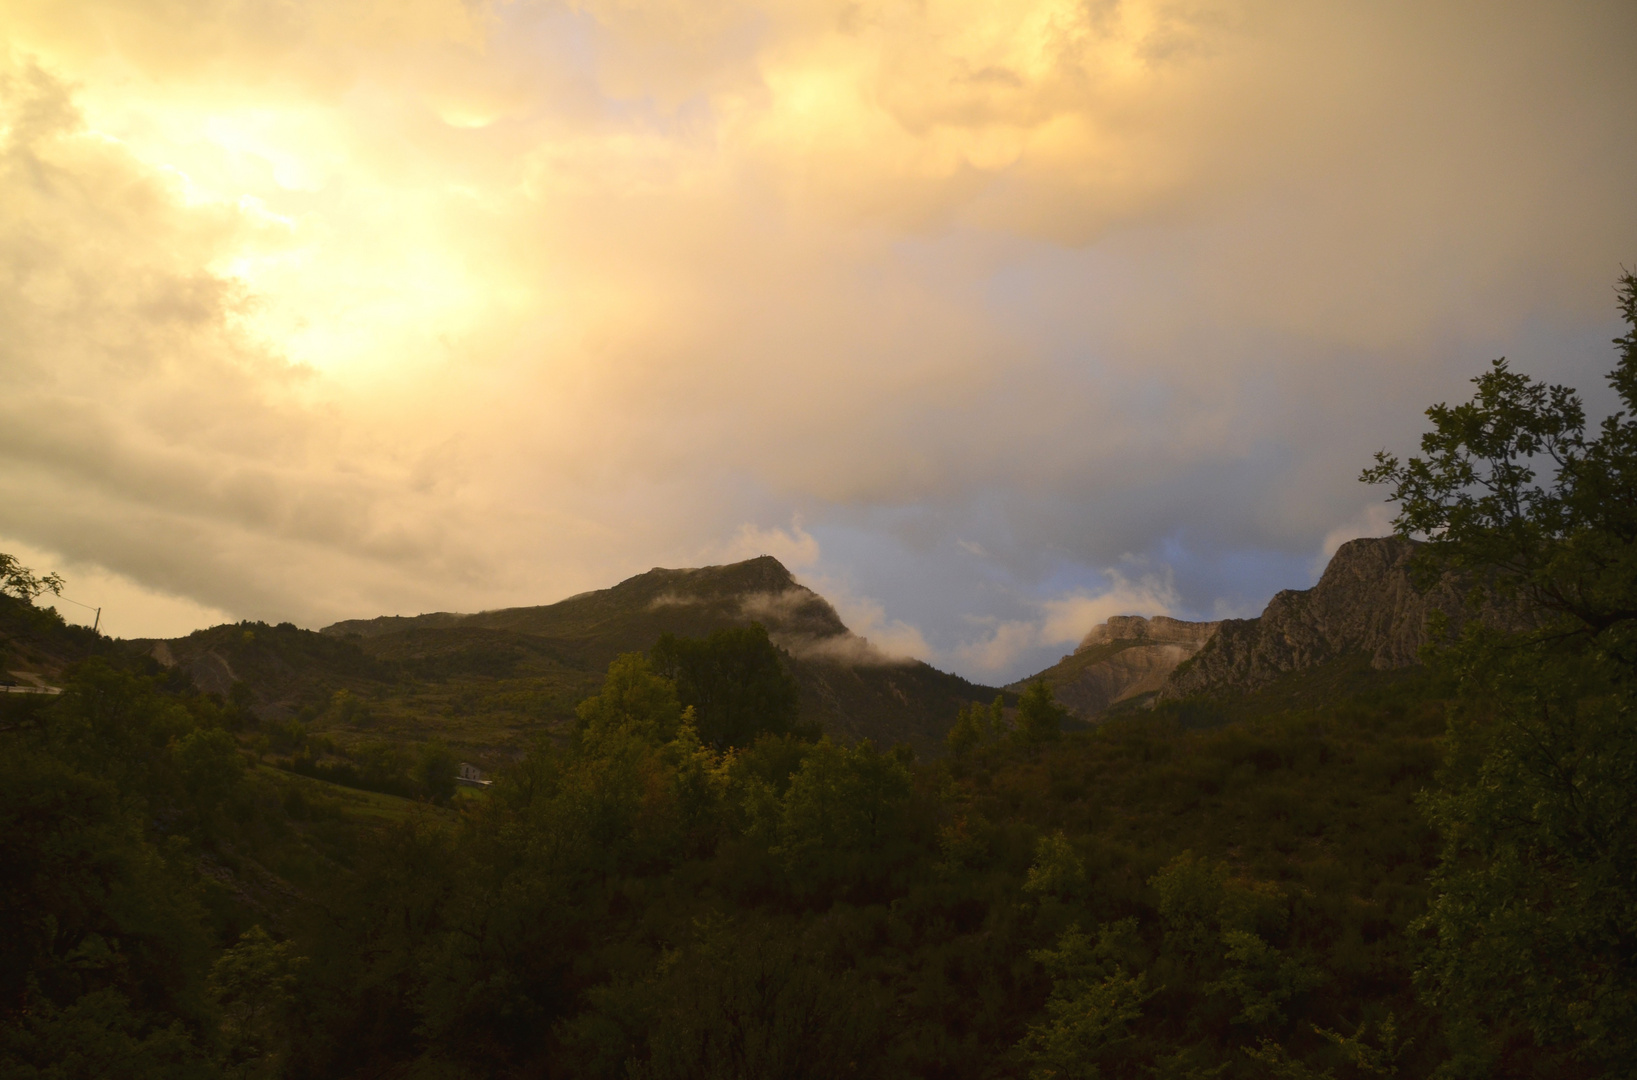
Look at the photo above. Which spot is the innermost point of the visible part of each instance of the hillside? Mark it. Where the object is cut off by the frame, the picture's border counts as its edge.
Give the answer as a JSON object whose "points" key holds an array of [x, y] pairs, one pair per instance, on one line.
{"points": [[1238, 869], [1126, 659], [908, 933], [37, 646], [486, 682]]}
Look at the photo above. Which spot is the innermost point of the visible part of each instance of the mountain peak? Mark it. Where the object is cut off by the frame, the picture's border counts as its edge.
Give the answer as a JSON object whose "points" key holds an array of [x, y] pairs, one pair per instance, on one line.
{"points": [[1365, 602], [1157, 629]]}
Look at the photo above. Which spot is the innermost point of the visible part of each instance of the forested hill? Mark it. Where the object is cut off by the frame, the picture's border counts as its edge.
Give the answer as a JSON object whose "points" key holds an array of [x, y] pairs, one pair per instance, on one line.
{"points": [[487, 683]]}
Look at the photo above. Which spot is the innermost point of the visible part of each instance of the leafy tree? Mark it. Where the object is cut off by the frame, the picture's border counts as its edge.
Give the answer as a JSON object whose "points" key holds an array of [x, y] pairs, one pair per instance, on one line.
{"points": [[105, 944], [1057, 871], [1094, 1004], [975, 726], [842, 817], [1039, 716], [17, 580], [634, 700], [211, 771], [1566, 543], [742, 1003], [1534, 919], [254, 984], [435, 771], [1263, 978], [734, 680]]}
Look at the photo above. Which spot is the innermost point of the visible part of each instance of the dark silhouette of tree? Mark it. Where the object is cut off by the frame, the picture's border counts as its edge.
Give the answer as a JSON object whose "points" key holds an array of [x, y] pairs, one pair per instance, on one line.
{"points": [[1534, 913], [735, 682]]}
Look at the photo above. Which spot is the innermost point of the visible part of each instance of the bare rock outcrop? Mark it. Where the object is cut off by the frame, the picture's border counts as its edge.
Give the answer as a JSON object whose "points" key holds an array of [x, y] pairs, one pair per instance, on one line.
{"points": [[1365, 602], [1126, 657], [1159, 630]]}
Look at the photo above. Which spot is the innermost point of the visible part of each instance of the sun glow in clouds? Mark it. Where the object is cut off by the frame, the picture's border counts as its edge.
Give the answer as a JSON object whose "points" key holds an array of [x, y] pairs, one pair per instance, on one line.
{"points": [[322, 310]]}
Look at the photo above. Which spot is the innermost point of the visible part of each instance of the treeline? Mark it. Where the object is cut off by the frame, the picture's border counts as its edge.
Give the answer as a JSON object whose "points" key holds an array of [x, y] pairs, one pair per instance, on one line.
{"points": [[631, 901]]}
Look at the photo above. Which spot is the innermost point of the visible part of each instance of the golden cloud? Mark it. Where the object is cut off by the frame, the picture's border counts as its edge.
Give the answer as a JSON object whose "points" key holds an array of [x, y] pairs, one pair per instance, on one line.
{"points": [[322, 309]]}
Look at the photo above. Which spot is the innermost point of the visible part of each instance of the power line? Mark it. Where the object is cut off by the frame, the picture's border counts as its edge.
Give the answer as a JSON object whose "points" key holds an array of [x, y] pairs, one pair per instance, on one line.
{"points": [[96, 622]]}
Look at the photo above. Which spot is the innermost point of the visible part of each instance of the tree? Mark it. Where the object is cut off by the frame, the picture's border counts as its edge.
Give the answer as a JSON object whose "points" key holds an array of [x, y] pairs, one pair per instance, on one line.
{"points": [[1534, 918], [1568, 546], [1039, 716], [841, 821], [1094, 1002], [1057, 871], [435, 771], [734, 680], [17, 580], [976, 725], [634, 700]]}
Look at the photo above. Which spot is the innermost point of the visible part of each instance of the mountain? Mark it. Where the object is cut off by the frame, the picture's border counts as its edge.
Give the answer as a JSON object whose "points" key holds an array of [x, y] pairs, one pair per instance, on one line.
{"points": [[623, 618], [1127, 658], [1365, 604], [486, 682], [1365, 607]]}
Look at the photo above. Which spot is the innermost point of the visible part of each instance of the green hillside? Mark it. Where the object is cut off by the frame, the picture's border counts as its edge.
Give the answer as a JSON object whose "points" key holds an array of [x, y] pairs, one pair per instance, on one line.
{"points": [[920, 926], [486, 684]]}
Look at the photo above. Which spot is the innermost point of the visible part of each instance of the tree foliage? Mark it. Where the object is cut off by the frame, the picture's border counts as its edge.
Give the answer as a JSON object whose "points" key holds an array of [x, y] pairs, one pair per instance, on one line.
{"points": [[1534, 917], [1039, 717], [17, 580], [735, 682], [1512, 486]]}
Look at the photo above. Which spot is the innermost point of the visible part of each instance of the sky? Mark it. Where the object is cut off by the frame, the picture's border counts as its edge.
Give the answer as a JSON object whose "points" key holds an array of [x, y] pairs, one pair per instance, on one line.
{"points": [[990, 320]]}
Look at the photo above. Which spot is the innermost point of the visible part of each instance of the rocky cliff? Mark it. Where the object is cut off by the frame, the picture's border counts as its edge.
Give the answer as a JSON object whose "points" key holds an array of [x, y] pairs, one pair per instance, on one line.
{"points": [[1124, 658], [1364, 603], [1158, 630]]}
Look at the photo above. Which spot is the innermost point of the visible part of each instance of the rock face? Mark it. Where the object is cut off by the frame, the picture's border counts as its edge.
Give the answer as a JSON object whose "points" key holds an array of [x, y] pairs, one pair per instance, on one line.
{"points": [[1161, 629], [1365, 602], [1126, 657]]}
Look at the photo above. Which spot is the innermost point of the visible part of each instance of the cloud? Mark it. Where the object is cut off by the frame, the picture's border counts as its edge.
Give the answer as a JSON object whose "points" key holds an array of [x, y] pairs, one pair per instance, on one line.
{"points": [[1065, 620], [117, 605], [876, 636], [318, 310], [1374, 520], [794, 547]]}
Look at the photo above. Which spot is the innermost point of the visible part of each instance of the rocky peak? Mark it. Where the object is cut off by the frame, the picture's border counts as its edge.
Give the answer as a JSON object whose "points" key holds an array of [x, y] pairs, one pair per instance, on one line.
{"points": [[1158, 630], [1364, 602], [1127, 657]]}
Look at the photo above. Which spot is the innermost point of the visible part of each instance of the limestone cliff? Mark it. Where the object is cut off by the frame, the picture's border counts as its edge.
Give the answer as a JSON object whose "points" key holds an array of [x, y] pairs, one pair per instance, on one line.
{"points": [[1160, 629], [1124, 658], [1365, 602]]}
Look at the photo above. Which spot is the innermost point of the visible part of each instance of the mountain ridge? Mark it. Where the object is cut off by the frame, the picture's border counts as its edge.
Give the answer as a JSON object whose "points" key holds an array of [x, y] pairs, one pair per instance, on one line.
{"points": [[548, 657], [1365, 603], [1123, 658]]}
